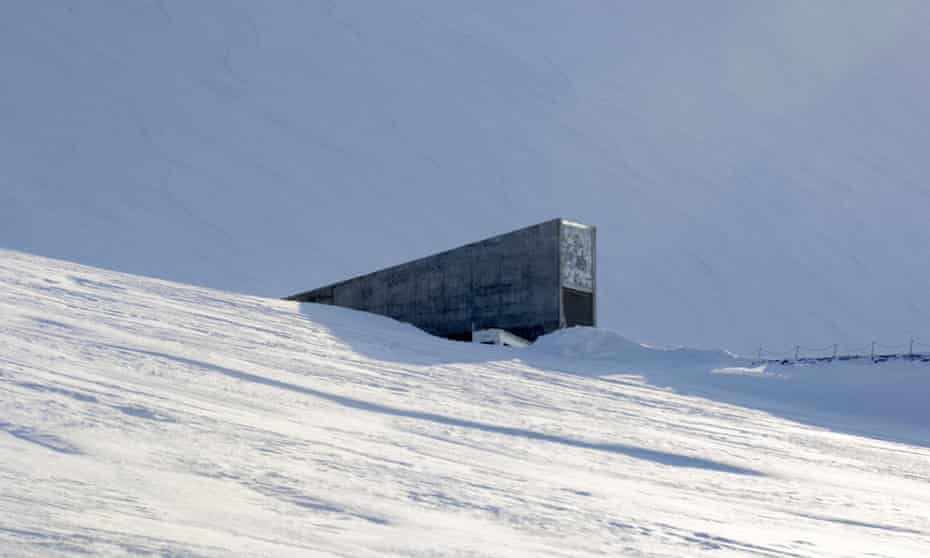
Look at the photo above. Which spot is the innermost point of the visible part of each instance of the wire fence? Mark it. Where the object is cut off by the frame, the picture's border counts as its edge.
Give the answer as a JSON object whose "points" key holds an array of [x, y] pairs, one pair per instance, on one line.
{"points": [[913, 350]]}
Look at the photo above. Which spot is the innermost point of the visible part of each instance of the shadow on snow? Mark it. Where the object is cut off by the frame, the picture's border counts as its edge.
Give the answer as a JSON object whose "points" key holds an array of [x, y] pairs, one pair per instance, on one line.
{"points": [[826, 396], [662, 457]]}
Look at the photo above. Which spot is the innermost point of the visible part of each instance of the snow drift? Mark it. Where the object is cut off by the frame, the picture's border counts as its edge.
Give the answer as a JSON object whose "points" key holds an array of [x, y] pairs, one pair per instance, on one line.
{"points": [[139, 416], [601, 344], [886, 399]]}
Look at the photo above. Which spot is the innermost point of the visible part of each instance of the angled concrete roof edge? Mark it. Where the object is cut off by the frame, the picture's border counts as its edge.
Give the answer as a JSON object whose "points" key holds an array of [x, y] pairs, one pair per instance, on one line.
{"points": [[557, 219], [577, 224]]}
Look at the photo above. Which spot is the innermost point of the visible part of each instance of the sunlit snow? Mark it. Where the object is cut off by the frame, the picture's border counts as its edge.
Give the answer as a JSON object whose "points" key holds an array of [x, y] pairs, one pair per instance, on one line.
{"points": [[139, 416]]}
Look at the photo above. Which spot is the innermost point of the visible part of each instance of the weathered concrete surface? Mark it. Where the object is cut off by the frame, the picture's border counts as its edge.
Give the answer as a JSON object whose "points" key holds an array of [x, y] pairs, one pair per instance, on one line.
{"points": [[512, 282]]}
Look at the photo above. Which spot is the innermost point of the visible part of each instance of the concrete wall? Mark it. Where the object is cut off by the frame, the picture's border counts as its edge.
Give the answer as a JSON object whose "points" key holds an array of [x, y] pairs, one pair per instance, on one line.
{"points": [[512, 281]]}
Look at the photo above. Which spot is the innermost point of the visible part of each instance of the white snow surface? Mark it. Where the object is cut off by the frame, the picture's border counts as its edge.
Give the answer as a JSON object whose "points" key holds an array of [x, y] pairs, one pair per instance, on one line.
{"points": [[143, 417], [757, 170]]}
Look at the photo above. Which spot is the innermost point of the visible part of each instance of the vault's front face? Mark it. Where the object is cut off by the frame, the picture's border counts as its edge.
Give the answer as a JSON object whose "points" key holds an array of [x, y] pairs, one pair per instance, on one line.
{"points": [[577, 253]]}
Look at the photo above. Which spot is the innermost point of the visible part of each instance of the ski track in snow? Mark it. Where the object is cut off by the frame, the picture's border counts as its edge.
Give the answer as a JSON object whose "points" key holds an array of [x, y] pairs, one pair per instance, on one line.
{"points": [[145, 417]]}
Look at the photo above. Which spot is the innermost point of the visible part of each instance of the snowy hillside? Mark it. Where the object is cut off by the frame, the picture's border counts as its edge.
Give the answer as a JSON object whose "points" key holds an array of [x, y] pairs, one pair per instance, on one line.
{"points": [[758, 170], [139, 416]]}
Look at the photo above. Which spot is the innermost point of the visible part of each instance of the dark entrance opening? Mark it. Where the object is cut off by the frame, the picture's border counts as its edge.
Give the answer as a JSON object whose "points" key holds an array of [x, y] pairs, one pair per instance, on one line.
{"points": [[578, 307]]}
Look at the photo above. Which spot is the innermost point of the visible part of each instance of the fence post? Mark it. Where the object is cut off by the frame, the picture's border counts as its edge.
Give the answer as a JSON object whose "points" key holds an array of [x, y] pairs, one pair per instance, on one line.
{"points": [[797, 351], [873, 351], [834, 352]]}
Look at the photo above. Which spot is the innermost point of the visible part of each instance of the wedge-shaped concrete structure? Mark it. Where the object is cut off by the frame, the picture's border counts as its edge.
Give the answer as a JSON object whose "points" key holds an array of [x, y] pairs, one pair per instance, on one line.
{"points": [[529, 282]]}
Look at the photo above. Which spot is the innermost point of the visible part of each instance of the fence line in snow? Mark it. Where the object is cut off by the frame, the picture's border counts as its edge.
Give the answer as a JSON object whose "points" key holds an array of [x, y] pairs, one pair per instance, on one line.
{"points": [[875, 352]]}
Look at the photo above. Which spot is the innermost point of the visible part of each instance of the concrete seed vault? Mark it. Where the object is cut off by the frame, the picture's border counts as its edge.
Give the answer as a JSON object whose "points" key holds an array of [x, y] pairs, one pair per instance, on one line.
{"points": [[528, 282]]}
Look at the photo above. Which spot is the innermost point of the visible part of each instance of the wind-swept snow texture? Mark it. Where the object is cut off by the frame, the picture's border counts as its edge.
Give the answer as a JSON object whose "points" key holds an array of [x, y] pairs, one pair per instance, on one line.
{"points": [[144, 417], [758, 170]]}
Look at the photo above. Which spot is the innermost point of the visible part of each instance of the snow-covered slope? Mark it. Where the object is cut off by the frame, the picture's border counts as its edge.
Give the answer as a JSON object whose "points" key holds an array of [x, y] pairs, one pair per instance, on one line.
{"points": [[139, 416], [758, 170]]}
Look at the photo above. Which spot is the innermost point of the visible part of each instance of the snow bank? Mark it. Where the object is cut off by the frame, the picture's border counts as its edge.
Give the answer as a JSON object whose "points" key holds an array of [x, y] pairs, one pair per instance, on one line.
{"points": [[886, 399], [588, 343], [151, 418]]}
